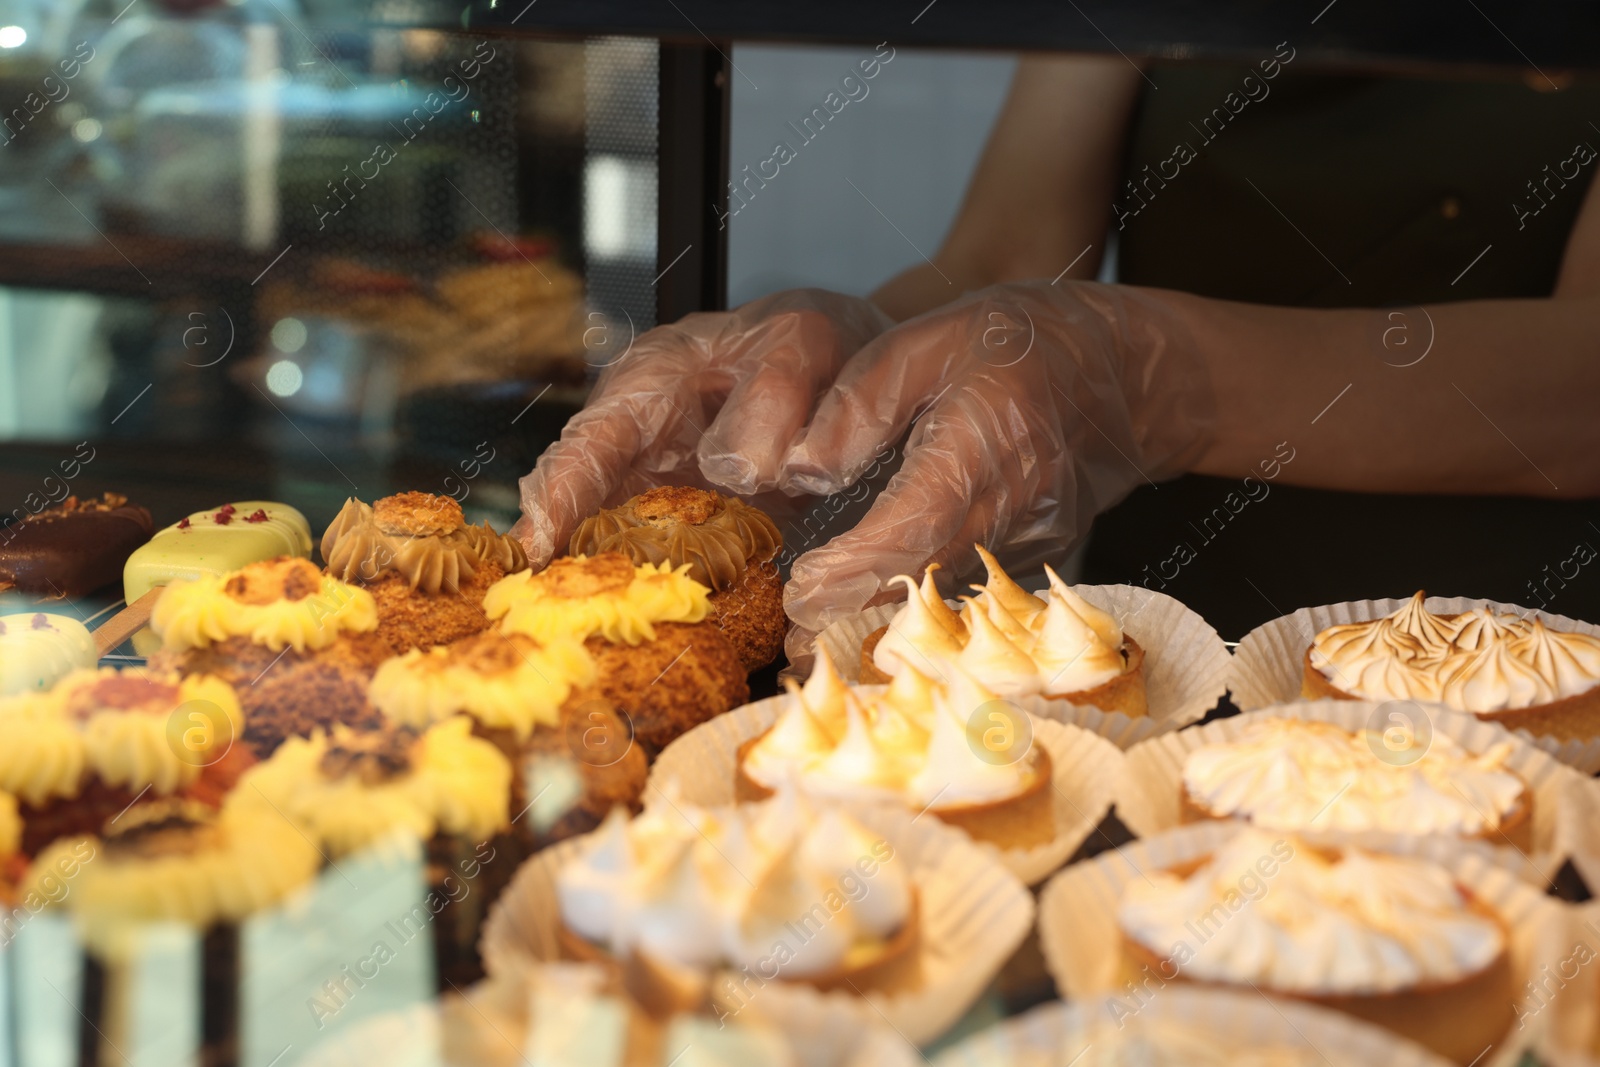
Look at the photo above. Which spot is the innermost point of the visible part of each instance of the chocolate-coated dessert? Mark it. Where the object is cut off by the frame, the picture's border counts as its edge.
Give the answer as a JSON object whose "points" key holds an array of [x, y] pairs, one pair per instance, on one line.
{"points": [[74, 548]]}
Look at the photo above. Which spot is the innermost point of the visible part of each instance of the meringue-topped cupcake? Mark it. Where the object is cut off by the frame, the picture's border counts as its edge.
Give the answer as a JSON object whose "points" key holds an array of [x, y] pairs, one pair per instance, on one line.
{"points": [[681, 892], [657, 657], [1015, 643], [427, 570], [1391, 939], [914, 744], [1297, 774], [1509, 669], [297, 645], [727, 544]]}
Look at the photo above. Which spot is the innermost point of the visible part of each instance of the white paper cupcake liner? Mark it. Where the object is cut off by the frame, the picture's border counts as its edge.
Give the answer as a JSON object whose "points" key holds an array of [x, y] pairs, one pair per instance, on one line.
{"points": [[974, 914], [1268, 664], [1186, 665], [1148, 800], [702, 763], [1080, 937], [1054, 1034], [1568, 994], [1578, 830]]}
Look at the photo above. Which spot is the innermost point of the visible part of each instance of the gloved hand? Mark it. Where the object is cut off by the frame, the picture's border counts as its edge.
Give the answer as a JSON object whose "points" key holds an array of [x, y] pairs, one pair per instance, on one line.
{"points": [[1032, 407], [714, 400]]}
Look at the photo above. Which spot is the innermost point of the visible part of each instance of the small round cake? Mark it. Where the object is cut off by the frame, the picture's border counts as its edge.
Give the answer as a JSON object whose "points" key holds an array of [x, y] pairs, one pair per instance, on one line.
{"points": [[1017, 644], [1508, 669], [1295, 774], [728, 546], [298, 646], [1393, 940], [912, 744], [427, 570], [657, 657]]}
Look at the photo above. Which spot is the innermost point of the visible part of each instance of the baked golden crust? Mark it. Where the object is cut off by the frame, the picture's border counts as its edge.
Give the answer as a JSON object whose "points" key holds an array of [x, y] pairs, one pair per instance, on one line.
{"points": [[1516, 827], [687, 674], [418, 515], [1573, 718], [1459, 1020], [290, 693], [750, 614], [409, 618], [1124, 693]]}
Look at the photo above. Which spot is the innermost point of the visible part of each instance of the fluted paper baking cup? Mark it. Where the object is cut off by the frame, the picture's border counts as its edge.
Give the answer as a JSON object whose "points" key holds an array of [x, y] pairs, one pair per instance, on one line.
{"points": [[1082, 944], [1269, 663], [1148, 800], [1578, 828], [974, 914], [1186, 665], [1570, 993], [1056, 1034], [702, 764]]}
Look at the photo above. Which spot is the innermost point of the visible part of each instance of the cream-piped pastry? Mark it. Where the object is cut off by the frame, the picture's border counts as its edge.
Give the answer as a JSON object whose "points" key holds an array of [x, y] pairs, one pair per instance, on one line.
{"points": [[426, 568], [1014, 642], [657, 655], [1503, 668], [177, 860], [38, 650], [356, 789], [913, 743], [1297, 774], [297, 645], [1392, 939], [683, 888]]}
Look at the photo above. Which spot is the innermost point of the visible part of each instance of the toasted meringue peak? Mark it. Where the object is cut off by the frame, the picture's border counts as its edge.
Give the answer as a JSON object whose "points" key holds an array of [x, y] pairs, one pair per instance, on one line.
{"points": [[1022, 604], [1070, 655], [1102, 623], [992, 656], [915, 633], [936, 606]]}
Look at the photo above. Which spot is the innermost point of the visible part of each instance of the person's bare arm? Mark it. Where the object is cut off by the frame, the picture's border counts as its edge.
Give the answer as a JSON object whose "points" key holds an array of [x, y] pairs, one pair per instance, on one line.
{"points": [[1504, 401], [1041, 192]]}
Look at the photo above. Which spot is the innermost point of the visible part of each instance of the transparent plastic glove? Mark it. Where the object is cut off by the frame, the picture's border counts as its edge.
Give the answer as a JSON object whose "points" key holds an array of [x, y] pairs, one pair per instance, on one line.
{"points": [[1032, 408], [721, 395]]}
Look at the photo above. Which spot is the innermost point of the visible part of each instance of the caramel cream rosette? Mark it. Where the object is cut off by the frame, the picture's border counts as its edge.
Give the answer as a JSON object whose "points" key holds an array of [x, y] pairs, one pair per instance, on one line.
{"points": [[358, 788], [605, 596], [178, 861], [1017, 644], [727, 545], [421, 537], [281, 603], [1291, 774], [680, 892], [1505, 668], [503, 681], [115, 725], [912, 743]]}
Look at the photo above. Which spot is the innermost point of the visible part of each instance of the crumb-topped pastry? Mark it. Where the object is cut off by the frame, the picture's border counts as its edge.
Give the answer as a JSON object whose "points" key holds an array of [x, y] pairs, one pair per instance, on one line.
{"points": [[1394, 940], [535, 702], [913, 744], [1013, 642], [425, 567], [1295, 774], [38, 650], [297, 645], [177, 860], [1509, 669], [682, 891], [657, 658], [80, 753], [727, 544]]}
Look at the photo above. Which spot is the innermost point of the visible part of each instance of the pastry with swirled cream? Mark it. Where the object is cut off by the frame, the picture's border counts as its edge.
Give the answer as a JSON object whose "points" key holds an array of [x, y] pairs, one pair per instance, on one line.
{"points": [[361, 789], [427, 570], [1295, 774], [76, 755], [681, 891], [912, 744], [536, 703], [1509, 669], [728, 545], [657, 657], [1015, 643], [298, 646], [1394, 940]]}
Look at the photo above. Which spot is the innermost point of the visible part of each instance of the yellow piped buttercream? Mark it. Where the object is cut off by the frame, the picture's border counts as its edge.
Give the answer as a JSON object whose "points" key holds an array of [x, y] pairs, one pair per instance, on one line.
{"points": [[539, 606], [200, 613]]}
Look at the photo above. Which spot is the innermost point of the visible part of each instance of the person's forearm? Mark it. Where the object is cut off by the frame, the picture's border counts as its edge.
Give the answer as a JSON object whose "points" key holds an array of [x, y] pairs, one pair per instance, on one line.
{"points": [[1477, 397]]}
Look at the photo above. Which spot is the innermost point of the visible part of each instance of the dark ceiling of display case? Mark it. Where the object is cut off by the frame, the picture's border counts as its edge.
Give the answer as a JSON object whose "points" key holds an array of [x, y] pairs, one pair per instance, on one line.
{"points": [[1373, 33]]}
